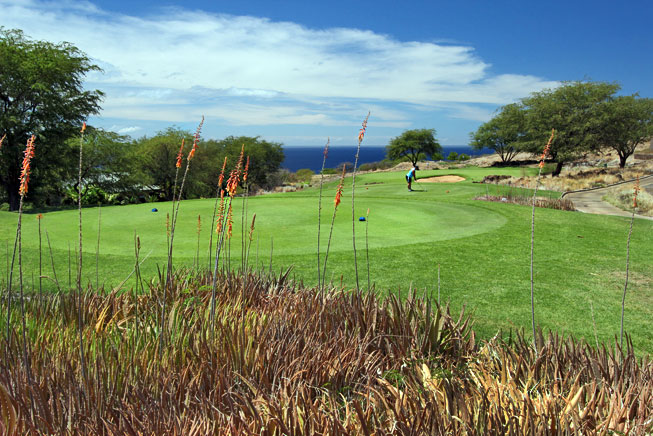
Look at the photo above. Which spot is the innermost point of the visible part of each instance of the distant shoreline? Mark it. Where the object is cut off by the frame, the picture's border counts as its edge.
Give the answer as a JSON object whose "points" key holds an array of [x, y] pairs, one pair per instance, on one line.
{"points": [[299, 157]]}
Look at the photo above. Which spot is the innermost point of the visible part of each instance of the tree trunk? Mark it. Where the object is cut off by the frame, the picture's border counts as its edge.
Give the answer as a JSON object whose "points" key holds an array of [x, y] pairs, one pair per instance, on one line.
{"points": [[558, 169], [622, 160]]}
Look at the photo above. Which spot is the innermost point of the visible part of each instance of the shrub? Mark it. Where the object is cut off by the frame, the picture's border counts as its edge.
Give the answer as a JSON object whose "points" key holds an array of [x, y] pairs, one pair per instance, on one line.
{"points": [[452, 156], [304, 175]]}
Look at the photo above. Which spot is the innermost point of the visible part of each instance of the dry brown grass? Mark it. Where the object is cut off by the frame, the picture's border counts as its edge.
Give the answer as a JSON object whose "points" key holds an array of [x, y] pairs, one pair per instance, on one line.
{"points": [[288, 360]]}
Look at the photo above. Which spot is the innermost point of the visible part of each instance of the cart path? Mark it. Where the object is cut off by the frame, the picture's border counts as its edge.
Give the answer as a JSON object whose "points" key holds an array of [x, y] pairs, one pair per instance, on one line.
{"points": [[591, 201]]}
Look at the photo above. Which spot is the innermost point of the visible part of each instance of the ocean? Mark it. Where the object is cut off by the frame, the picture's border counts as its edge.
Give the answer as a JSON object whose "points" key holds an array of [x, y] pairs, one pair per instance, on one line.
{"points": [[311, 157]]}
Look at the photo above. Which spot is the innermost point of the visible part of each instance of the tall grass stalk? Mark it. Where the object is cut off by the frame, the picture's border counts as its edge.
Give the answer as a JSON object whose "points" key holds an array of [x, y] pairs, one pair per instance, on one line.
{"points": [[218, 197], [325, 154], [24, 182], [225, 229], [199, 233], [175, 213], [243, 218], [636, 189], [97, 247], [367, 247], [79, 262], [336, 202], [271, 251], [70, 269], [54, 270], [39, 217], [438, 284], [249, 245], [361, 135], [537, 183]]}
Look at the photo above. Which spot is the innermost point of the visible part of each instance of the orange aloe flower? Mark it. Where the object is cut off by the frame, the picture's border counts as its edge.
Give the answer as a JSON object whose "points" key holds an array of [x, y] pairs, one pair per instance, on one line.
{"points": [[230, 221], [218, 228], [339, 188], [636, 190], [221, 178], [246, 169], [83, 127], [547, 148], [39, 216], [234, 177], [361, 133], [196, 139], [2, 140], [181, 150], [199, 224], [24, 174]]}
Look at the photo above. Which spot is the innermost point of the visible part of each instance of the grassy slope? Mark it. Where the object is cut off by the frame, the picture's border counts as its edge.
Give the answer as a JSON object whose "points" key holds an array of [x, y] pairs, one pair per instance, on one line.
{"points": [[483, 249]]}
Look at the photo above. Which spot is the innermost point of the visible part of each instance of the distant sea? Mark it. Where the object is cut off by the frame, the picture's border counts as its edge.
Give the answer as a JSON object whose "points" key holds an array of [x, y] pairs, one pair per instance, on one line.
{"points": [[311, 157]]}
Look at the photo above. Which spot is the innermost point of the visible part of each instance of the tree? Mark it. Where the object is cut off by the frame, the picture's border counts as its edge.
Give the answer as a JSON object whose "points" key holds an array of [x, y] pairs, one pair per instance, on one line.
{"points": [[41, 93], [625, 122], [156, 158], [107, 163], [504, 133], [413, 143], [571, 110], [265, 157]]}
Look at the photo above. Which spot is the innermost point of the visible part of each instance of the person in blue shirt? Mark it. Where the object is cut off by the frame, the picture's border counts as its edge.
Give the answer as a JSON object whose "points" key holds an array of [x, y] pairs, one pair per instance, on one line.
{"points": [[410, 176]]}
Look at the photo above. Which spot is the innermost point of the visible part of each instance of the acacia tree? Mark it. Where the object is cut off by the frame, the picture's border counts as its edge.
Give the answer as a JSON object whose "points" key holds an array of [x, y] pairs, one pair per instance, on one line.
{"points": [[625, 122], [414, 144], [41, 93], [505, 133], [571, 110]]}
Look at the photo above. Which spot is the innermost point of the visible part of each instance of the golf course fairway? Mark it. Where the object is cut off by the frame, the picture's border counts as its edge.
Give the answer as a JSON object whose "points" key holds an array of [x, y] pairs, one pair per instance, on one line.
{"points": [[482, 250]]}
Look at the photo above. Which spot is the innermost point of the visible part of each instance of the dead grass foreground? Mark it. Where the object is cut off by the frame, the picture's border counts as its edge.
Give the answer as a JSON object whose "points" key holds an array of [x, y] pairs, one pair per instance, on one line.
{"points": [[283, 359]]}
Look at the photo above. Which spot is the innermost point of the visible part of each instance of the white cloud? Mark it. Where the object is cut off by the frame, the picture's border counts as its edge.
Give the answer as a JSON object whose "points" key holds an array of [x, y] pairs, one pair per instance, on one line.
{"points": [[176, 64], [127, 130]]}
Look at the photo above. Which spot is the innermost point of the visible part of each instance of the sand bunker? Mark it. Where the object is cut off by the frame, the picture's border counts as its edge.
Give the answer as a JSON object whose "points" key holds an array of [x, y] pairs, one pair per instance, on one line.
{"points": [[442, 179]]}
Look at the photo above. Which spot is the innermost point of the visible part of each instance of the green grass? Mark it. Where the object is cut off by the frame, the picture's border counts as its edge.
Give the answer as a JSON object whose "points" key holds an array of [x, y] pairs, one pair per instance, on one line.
{"points": [[483, 249]]}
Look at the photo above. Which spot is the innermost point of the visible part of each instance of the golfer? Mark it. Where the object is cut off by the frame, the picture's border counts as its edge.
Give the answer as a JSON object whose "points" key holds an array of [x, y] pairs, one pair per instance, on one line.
{"points": [[411, 176]]}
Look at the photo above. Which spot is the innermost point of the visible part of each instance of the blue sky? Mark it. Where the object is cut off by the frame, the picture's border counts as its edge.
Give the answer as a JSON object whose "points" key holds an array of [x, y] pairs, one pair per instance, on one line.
{"points": [[298, 72]]}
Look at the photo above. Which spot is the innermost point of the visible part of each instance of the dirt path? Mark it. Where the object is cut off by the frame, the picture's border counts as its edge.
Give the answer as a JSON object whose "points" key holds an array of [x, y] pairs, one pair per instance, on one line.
{"points": [[591, 201]]}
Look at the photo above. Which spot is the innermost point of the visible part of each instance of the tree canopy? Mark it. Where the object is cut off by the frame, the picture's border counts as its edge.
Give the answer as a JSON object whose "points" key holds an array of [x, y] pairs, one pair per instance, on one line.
{"points": [[571, 110], [504, 133], [626, 122], [41, 93], [413, 145], [265, 157]]}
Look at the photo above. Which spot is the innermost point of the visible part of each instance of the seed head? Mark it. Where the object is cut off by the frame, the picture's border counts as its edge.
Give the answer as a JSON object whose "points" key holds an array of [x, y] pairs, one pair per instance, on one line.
{"points": [[251, 228], [326, 148]]}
